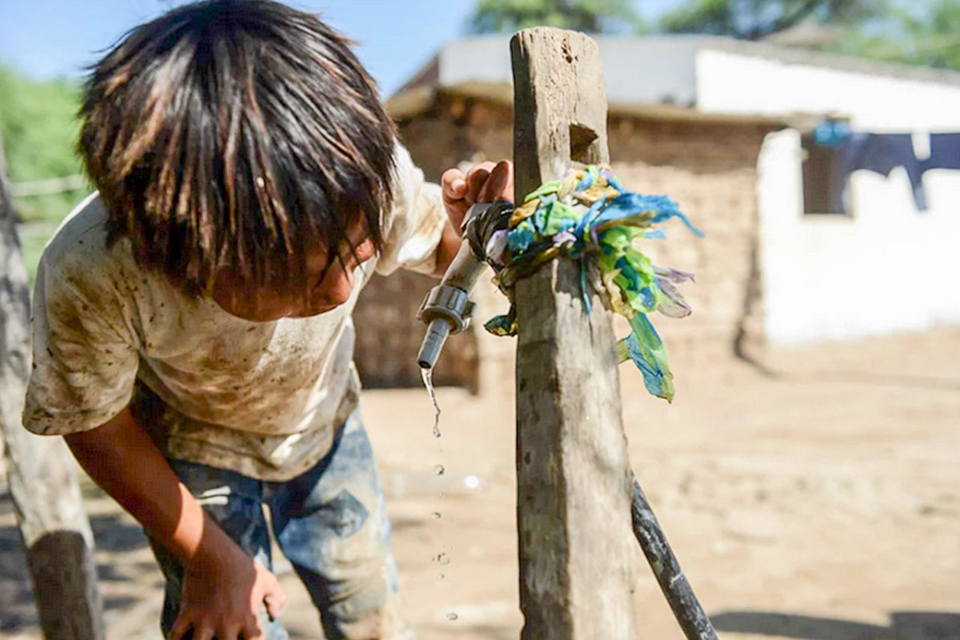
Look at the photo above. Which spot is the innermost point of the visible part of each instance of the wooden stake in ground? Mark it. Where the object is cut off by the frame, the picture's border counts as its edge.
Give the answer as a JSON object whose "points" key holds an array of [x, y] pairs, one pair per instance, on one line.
{"points": [[578, 558], [55, 529]]}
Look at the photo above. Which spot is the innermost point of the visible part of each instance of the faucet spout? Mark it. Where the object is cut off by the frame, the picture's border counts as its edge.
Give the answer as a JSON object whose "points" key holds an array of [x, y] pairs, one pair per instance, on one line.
{"points": [[447, 308]]}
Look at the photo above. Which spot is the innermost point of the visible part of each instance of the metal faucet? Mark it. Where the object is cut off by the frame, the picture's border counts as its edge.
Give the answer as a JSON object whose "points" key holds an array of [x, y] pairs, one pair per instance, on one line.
{"points": [[447, 308]]}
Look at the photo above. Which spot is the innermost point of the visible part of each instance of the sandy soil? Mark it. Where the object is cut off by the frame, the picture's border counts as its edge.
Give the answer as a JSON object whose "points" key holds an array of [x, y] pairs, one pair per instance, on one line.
{"points": [[820, 502]]}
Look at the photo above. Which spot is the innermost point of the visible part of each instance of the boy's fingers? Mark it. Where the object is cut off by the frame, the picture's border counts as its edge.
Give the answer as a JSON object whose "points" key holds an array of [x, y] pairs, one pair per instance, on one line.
{"points": [[180, 627], [483, 166], [507, 192], [475, 181], [230, 632], [205, 633], [454, 184], [274, 605], [496, 184], [252, 630]]}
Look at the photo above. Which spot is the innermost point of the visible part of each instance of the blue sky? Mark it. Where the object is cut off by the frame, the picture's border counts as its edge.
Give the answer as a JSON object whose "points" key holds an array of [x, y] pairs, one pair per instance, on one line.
{"points": [[46, 38]]}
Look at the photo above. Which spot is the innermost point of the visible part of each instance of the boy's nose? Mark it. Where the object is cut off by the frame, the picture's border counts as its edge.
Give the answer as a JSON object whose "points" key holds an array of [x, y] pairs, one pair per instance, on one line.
{"points": [[360, 254]]}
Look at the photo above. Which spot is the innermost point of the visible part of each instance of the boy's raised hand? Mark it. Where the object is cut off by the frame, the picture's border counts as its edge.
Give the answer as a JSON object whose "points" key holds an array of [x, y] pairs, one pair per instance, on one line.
{"points": [[486, 182]]}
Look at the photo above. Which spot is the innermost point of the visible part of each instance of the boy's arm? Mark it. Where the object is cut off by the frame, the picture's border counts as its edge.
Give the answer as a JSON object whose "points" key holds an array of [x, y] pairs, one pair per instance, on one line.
{"points": [[223, 586], [86, 353]]}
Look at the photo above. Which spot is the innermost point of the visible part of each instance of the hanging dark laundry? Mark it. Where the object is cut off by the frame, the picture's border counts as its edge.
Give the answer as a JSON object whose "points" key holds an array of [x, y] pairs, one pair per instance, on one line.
{"points": [[881, 153], [944, 152]]}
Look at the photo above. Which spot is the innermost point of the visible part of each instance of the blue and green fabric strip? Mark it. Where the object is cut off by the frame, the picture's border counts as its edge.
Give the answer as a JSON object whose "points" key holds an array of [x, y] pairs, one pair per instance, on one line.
{"points": [[589, 216]]}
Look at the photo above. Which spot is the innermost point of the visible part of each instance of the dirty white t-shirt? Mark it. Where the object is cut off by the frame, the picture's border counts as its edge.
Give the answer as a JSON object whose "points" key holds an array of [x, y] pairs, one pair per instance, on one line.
{"points": [[260, 398]]}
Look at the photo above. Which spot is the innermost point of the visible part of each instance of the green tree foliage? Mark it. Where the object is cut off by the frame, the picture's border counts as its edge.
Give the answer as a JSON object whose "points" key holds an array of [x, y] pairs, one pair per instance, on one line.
{"points": [[39, 126], [756, 19], [590, 16], [935, 38], [927, 35]]}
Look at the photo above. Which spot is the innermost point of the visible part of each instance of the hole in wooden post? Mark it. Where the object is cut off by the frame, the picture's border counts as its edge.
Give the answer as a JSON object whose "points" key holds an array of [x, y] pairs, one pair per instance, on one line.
{"points": [[581, 138]]}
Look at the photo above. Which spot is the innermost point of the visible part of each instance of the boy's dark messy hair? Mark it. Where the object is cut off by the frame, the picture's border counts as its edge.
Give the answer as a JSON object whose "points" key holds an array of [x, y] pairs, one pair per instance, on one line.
{"points": [[235, 133]]}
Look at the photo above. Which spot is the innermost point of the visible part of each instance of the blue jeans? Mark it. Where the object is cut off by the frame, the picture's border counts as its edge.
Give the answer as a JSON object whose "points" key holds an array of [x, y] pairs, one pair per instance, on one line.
{"points": [[330, 522]]}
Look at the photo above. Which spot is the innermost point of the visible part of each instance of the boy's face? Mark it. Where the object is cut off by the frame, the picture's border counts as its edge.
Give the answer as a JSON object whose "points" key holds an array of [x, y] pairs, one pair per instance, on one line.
{"points": [[328, 284]]}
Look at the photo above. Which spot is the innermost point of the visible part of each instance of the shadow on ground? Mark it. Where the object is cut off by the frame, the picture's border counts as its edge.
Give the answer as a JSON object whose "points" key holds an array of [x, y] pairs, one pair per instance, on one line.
{"points": [[904, 625], [17, 611]]}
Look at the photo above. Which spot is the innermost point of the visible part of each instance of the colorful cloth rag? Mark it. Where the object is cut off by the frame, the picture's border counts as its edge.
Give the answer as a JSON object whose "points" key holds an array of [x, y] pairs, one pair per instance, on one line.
{"points": [[590, 217]]}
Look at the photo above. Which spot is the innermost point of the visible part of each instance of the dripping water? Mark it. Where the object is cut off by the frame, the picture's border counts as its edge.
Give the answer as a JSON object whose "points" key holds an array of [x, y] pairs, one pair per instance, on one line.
{"points": [[426, 374]]}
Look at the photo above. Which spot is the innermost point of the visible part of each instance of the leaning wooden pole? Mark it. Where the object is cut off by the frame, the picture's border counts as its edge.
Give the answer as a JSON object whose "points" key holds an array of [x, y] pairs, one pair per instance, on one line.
{"points": [[578, 561], [56, 532], [673, 581]]}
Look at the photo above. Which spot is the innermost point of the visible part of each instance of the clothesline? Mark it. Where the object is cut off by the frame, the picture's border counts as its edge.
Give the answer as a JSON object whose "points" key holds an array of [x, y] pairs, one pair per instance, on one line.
{"points": [[883, 152]]}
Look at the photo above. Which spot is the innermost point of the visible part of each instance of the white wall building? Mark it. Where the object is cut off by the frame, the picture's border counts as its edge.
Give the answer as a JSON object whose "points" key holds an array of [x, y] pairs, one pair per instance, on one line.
{"points": [[884, 267], [881, 267]]}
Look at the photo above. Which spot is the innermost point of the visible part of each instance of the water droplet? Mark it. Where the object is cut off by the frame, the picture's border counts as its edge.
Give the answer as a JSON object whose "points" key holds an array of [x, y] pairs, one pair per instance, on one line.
{"points": [[443, 559], [427, 376], [452, 616], [443, 576], [438, 470], [435, 515]]}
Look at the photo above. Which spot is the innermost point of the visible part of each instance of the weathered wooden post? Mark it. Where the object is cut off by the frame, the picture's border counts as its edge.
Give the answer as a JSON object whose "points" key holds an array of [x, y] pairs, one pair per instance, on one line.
{"points": [[578, 558], [46, 496]]}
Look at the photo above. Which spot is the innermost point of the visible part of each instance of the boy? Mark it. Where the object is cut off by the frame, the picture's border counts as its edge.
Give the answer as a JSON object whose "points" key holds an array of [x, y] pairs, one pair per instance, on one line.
{"points": [[192, 333]]}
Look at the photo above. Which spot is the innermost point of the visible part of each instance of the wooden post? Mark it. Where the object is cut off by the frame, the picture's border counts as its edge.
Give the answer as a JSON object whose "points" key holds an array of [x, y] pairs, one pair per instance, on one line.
{"points": [[55, 529], [578, 558]]}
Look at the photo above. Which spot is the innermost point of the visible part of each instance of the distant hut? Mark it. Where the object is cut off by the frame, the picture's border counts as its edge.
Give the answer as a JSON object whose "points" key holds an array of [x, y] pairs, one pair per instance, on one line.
{"points": [[726, 129]]}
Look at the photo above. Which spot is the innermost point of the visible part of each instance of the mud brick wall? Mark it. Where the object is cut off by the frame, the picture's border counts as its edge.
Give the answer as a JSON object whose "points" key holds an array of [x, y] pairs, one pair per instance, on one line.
{"points": [[709, 168]]}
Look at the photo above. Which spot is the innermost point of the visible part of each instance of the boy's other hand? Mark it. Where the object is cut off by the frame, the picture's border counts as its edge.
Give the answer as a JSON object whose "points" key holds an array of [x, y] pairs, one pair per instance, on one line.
{"points": [[486, 182], [222, 596]]}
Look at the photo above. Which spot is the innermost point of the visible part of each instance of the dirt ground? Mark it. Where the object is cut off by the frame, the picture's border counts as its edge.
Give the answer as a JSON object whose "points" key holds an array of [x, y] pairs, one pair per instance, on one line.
{"points": [[819, 501]]}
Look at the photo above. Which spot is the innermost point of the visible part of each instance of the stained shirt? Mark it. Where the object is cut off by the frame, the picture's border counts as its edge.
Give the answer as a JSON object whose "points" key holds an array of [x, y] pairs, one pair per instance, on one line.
{"points": [[260, 398]]}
